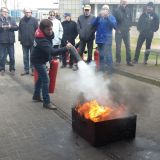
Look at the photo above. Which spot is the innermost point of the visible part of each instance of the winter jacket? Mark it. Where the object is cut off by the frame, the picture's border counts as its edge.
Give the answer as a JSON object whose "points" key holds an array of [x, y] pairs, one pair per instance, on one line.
{"points": [[58, 32], [124, 18], [7, 35], [84, 27], [27, 28], [42, 48], [104, 27], [69, 32], [148, 23]]}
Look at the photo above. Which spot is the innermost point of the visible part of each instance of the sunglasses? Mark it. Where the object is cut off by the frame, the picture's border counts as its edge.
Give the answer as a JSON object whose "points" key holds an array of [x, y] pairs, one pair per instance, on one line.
{"points": [[52, 15]]}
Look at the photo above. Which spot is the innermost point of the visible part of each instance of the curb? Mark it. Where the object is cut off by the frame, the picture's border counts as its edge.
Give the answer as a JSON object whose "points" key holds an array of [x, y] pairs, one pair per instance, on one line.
{"points": [[138, 77]]}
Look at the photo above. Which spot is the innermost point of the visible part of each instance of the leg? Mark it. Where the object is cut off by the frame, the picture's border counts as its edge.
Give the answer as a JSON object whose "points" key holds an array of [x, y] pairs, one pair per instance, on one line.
{"points": [[90, 49], [3, 56], [148, 46], [82, 46], [42, 83], [140, 42], [118, 40], [126, 39], [10, 49], [109, 60], [101, 48], [26, 58]]}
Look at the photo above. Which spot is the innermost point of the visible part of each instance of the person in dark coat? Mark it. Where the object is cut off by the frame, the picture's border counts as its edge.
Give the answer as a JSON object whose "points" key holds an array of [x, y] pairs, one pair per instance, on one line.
{"points": [[148, 23], [69, 35], [7, 40], [86, 32], [41, 53], [27, 28], [124, 22]]}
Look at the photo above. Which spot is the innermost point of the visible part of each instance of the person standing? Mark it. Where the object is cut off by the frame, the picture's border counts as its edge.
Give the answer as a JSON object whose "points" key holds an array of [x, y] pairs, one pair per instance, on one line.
{"points": [[148, 23], [57, 29], [124, 22], [69, 35], [86, 32], [7, 39], [27, 28], [42, 50], [104, 24]]}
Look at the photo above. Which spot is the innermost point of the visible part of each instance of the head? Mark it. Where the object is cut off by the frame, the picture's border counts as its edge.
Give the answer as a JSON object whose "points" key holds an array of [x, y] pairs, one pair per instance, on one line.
{"points": [[67, 16], [46, 27], [52, 15], [27, 12], [123, 3], [105, 10], [87, 10], [4, 12], [149, 7]]}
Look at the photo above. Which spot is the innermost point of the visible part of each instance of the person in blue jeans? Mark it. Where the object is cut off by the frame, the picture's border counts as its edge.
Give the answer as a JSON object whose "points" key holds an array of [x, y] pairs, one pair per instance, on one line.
{"points": [[41, 53], [104, 24], [7, 39]]}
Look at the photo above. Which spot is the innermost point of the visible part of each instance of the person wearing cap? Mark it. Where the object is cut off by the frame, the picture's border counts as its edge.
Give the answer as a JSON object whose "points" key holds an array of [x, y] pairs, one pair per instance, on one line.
{"points": [[86, 32], [69, 35], [124, 22], [27, 28], [7, 39], [148, 23], [104, 25]]}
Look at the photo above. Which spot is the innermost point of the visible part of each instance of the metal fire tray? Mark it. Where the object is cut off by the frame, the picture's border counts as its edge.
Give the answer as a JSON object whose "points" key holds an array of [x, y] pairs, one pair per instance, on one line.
{"points": [[104, 132]]}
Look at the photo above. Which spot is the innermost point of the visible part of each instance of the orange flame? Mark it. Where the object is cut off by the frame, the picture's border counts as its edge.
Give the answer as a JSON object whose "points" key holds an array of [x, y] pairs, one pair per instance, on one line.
{"points": [[95, 112]]}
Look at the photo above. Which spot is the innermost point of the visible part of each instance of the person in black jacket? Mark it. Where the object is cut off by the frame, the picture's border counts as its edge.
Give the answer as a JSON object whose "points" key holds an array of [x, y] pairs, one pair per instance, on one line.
{"points": [[7, 40], [86, 32], [124, 21], [69, 35], [27, 28], [41, 53], [148, 24]]}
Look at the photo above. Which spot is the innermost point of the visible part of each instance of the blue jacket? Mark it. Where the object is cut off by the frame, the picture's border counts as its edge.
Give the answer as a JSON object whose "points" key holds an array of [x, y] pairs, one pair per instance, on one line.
{"points": [[104, 26]]}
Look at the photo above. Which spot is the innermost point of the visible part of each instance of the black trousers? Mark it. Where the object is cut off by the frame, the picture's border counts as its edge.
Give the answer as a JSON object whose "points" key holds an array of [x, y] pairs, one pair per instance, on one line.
{"points": [[141, 38], [125, 36], [82, 46]]}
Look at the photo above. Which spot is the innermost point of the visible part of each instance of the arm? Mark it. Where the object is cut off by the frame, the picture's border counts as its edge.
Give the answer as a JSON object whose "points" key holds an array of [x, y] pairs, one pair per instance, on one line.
{"points": [[78, 26], [112, 21], [19, 32], [14, 26], [156, 23]]}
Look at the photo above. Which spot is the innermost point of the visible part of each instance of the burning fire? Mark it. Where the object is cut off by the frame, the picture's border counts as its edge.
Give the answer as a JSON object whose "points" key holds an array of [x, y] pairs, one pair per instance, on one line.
{"points": [[95, 112]]}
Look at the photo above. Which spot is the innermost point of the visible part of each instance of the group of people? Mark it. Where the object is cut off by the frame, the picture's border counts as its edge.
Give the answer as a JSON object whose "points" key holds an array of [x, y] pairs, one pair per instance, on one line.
{"points": [[41, 42]]}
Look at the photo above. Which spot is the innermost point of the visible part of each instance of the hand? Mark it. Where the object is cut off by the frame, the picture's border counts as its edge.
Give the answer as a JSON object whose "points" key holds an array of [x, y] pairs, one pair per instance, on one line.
{"points": [[69, 45]]}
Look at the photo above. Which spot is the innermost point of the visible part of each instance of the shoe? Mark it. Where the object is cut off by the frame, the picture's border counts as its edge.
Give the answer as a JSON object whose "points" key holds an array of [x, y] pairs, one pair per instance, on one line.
{"points": [[63, 66], [49, 106], [70, 66], [145, 62], [37, 99], [135, 62], [130, 64], [24, 73], [75, 68], [12, 72], [2, 72]]}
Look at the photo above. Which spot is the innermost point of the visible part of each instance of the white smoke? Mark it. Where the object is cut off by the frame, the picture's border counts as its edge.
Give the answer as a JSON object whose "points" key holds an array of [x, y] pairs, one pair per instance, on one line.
{"points": [[92, 84]]}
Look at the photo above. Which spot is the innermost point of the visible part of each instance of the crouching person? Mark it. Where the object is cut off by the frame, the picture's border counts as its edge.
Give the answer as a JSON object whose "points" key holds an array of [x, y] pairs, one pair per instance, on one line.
{"points": [[41, 53]]}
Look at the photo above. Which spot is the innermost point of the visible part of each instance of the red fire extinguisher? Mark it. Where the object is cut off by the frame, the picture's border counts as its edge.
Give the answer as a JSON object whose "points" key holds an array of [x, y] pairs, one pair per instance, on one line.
{"points": [[53, 74], [96, 57]]}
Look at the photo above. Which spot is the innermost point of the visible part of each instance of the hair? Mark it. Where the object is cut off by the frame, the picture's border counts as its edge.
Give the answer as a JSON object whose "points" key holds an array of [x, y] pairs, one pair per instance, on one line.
{"points": [[4, 8], [45, 23], [52, 11]]}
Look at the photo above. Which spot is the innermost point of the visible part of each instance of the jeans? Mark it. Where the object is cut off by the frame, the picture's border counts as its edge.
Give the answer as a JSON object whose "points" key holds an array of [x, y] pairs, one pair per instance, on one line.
{"points": [[126, 39], [42, 83], [105, 57], [4, 50], [143, 37], [26, 57]]}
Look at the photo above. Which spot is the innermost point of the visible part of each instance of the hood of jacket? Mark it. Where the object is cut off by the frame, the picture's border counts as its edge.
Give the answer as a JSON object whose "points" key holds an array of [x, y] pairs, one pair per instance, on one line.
{"points": [[39, 34]]}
